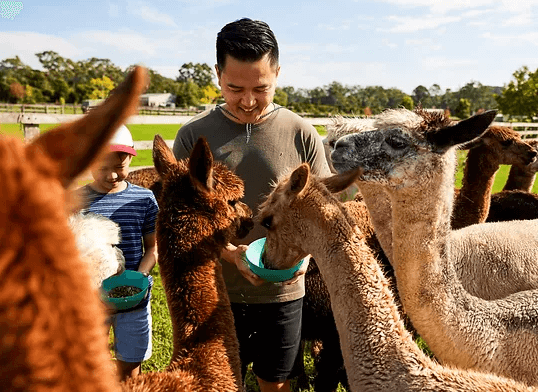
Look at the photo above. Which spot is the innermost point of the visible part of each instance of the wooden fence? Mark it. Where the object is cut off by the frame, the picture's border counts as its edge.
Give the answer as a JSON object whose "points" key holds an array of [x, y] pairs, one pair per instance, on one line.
{"points": [[78, 109]]}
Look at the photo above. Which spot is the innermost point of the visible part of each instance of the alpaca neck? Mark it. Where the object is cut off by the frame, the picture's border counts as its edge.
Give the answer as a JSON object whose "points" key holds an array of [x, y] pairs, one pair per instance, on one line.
{"points": [[473, 201], [519, 179], [366, 316], [378, 203]]}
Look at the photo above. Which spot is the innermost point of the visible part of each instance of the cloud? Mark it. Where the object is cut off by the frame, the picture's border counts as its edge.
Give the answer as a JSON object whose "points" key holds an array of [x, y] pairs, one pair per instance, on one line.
{"points": [[316, 74], [150, 14], [519, 20], [424, 43], [407, 24], [446, 63], [522, 39], [26, 44], [122, 41]]}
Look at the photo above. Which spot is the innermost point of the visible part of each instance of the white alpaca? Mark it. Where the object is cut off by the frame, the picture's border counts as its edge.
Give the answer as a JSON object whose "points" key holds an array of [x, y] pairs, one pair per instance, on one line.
{"points": [[415, 165], [507, 263], [97, 237], [302, 217]]}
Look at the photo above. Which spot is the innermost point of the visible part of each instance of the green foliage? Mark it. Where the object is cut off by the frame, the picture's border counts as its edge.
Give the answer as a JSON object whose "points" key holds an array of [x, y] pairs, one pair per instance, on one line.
{"points": [[200, 74], [520, 97], [407, 102], [101, 87], [280, 98], [463, 110]]}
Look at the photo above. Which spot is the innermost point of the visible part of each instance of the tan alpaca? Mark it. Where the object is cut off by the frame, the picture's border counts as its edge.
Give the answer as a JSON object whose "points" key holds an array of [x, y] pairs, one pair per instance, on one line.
{"points": [[497, 146], [379, 353], [199, 214], [506, 264], [53, 335], [415, 165]]}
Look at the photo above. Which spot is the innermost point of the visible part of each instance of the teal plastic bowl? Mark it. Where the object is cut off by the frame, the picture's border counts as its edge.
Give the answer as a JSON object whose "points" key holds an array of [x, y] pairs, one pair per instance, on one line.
{"points": [[254, 260], [127, 278]]}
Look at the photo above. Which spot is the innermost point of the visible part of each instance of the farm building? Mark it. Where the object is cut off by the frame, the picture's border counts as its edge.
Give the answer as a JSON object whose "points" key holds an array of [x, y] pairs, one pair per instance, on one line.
{"points": [[157, 99]]}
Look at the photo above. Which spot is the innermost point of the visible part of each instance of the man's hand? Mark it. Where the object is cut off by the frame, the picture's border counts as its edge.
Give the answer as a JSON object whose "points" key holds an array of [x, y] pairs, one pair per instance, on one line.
{"points": [[299, 272], [236, 255]]}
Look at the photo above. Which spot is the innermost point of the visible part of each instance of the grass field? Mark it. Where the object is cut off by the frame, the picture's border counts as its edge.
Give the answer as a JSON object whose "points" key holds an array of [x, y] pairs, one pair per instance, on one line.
{"points": [[162, 328]]}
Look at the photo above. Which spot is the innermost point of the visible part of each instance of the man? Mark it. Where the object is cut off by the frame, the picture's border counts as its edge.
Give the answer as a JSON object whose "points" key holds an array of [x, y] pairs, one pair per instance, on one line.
{"points": [[260, 141]]}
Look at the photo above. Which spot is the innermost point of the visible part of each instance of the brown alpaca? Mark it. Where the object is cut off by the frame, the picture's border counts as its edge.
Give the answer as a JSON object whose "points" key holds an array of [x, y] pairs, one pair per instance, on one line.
{"points": [[515, 201], [379, 353], [415, 165], [146, 178], [52, 334], [199, 214], [497, 146]]}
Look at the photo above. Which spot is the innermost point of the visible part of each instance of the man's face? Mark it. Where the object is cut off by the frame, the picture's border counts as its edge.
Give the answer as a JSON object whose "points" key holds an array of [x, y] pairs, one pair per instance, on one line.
{"points": [[111, 171], [248, 87]]}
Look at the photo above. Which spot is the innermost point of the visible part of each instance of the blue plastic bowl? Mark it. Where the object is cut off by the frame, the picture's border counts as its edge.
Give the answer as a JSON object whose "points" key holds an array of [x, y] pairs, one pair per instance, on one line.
{"points": [[254, 259], [127, 278]]}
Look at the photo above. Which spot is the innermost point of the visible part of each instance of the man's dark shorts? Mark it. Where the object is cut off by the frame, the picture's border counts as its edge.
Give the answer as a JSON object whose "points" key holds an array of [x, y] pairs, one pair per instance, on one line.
{"points": [[270, 337]]}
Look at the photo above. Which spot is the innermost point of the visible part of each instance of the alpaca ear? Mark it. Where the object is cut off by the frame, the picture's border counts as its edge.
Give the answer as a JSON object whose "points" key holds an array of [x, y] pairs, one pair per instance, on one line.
{"points": [[77, 144], [339, 182], [462, 132], [201, 166], [299, 178], [163, 158]]}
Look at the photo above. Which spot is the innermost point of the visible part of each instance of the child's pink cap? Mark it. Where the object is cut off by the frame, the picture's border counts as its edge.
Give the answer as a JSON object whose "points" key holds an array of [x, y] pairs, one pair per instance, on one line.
{"points": [[123, 141]]}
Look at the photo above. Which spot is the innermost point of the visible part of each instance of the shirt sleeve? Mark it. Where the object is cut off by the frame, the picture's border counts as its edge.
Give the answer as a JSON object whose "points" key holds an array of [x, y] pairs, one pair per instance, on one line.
{"points": [[151, 215], [183, 143], [315, 153]]}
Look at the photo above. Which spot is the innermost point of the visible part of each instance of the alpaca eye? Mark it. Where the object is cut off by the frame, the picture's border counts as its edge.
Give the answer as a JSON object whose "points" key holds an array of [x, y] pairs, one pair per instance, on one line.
{"points": [[396, 143], [507, 143], [232, 202], [267, 222]]}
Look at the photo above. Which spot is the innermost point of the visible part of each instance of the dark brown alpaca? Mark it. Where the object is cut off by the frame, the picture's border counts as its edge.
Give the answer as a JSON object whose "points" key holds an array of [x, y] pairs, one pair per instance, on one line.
{"points": [[515, 201], [52, 323], [497, 146], [200, 213]]}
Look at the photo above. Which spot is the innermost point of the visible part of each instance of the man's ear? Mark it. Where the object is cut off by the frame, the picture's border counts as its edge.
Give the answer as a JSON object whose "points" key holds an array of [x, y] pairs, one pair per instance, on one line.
{"points": [[277, 71], [217, 70]]}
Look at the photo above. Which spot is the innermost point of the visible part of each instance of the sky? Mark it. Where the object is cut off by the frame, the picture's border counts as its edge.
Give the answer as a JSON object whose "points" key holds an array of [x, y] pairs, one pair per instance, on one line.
{"points": [[390, 43]]}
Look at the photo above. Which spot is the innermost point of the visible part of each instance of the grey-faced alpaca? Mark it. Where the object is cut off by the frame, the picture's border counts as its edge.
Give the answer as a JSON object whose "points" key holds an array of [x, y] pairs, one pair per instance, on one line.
{"points": [[507, 264], [200, 212], [415, 166], [379, 354]]}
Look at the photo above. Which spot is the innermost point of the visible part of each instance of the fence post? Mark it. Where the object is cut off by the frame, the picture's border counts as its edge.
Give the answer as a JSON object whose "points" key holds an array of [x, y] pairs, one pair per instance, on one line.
{"points": [[31, 126]]}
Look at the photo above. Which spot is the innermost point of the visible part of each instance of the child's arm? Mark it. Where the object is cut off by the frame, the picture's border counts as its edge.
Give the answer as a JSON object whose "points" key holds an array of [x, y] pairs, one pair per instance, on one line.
{"points": [[150, 253]]}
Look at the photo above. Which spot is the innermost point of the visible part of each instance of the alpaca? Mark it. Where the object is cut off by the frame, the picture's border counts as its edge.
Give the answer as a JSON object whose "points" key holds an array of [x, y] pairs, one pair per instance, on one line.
{"points": [[97, 237], [147, 178], [497, 146], [318, 322], [53, 334], [415, 165], [515, 201], [199, 214], [514, 255], [379, 353]]}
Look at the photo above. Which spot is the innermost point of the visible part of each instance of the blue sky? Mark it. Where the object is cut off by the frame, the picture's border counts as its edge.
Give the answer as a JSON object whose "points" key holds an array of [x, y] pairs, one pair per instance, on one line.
{"points": [[391, 43]]}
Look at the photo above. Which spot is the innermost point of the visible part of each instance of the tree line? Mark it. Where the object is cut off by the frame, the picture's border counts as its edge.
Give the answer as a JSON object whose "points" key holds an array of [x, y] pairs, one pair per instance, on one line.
{"points": [[63, 81]]}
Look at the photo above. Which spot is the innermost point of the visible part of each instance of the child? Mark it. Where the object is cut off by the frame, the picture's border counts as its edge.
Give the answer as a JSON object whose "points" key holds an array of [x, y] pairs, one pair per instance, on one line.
{"points": [[135, 209]]}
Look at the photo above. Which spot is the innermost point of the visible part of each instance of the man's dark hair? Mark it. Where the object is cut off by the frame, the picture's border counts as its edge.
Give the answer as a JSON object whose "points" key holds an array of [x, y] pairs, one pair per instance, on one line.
{"points": [[246, 40]]}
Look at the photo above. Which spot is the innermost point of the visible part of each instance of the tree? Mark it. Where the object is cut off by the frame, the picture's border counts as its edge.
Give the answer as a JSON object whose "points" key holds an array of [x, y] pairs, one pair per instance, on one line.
{"points": [[17, 91], [280, 98], [200, 74], [407, 102], [421, 96], [520, 97], [101, 87], [463, 110]]}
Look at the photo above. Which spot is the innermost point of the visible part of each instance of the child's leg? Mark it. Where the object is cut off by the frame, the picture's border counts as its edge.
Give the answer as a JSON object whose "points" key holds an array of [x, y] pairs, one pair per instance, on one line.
{"points": [[132, 340]]}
